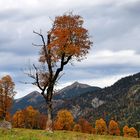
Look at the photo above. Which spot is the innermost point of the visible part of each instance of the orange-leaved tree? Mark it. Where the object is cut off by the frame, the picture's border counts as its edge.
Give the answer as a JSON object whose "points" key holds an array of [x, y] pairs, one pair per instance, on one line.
{"points": [[86, 127], [133, 132], [130, 132], [31, 117], [41, 121], [6, 95], [114, 128], [100, 126], [66, 40], [77, 128], [64, 120], [19, 119], [126, 131]]}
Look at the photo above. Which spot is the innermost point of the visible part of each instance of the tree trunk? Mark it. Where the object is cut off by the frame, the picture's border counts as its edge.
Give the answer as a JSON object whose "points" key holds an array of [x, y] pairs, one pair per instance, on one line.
{"points": [[49, 123]]}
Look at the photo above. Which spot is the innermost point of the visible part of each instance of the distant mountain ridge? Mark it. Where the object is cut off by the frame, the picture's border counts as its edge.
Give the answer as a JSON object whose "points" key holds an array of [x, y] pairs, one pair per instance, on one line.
{"points": [[120, 102], [74, 90], [36, 100]]}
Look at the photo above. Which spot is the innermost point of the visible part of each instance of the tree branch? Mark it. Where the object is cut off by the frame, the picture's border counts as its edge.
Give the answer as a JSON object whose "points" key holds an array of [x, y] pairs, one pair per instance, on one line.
{"points": [[47, 52], [43, 40], [63, 63], [37, 78], [37, 45]]}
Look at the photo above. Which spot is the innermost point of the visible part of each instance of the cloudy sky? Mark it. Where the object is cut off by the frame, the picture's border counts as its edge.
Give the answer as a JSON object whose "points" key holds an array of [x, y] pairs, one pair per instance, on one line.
{"points": [[114, 27]]}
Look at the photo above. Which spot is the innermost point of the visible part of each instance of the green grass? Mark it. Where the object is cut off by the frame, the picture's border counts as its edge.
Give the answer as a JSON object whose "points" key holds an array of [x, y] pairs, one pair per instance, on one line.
{"points": [[26, 134]]}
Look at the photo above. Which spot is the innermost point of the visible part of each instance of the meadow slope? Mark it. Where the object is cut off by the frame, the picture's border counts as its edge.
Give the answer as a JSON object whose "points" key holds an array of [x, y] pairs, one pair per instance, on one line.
{"points": [[26, 134]]}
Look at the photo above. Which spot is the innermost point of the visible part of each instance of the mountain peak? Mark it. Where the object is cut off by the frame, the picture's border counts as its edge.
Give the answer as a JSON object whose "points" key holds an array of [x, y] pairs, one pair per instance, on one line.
{"points": [[80, 85], [74, 90], [76, 83]]}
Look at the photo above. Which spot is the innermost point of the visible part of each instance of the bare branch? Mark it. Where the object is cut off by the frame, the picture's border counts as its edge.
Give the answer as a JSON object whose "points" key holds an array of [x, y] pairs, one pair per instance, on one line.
{"points": [[37, 77], [37, 45], [43, 40], [26, 82]]}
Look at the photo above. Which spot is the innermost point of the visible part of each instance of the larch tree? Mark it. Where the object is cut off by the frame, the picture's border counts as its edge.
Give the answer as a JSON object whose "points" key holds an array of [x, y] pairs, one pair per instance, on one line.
{"points": [[29, 118], [6, 95], [77, 128], [125, 130], [86, 127], [18, 119], [130, 132], [101, 127], [67, 40], [133, 132], [64, 120], [114, 128], [32, 116], [41, 120]]}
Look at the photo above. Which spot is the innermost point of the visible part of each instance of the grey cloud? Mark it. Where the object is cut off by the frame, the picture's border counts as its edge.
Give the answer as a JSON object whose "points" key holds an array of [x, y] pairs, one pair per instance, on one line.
{"points": [[93, 73], [113, 26], [18, 15], [133, 8], [8, 14], [111, 21]]}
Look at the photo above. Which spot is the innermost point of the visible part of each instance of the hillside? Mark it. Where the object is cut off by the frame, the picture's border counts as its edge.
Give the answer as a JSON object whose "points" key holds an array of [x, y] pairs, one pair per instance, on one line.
{"points": [[121, 101], [34, 99]]}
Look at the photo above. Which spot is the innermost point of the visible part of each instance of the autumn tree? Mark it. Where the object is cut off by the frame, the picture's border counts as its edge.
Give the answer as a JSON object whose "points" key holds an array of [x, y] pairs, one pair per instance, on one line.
{"points": [[6, 95], [19, 119], [126, 131], [77, 128], [41, 121], [64, 120], [130, 132], [66, 40], [133, 132], [28, 118], [86, 127], [31, 117], [100, 126], [114, 128]]}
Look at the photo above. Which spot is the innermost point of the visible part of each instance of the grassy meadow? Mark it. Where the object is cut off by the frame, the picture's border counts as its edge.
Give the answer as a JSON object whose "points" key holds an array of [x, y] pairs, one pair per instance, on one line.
{"points": [[26, 134]]}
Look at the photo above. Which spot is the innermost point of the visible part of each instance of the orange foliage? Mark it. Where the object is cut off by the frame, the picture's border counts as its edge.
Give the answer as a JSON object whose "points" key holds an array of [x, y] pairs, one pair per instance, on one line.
{"points": [[93, 131], [130, 132], [6, 95], [114, 128], [66, 40], [77, 128], [64, 120], [133, 132], [8, 117], [67, 37], [31, 116], [126, 131], [28, 118], [85, 126], [42, 121], [100, 126], [19, 119]]}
